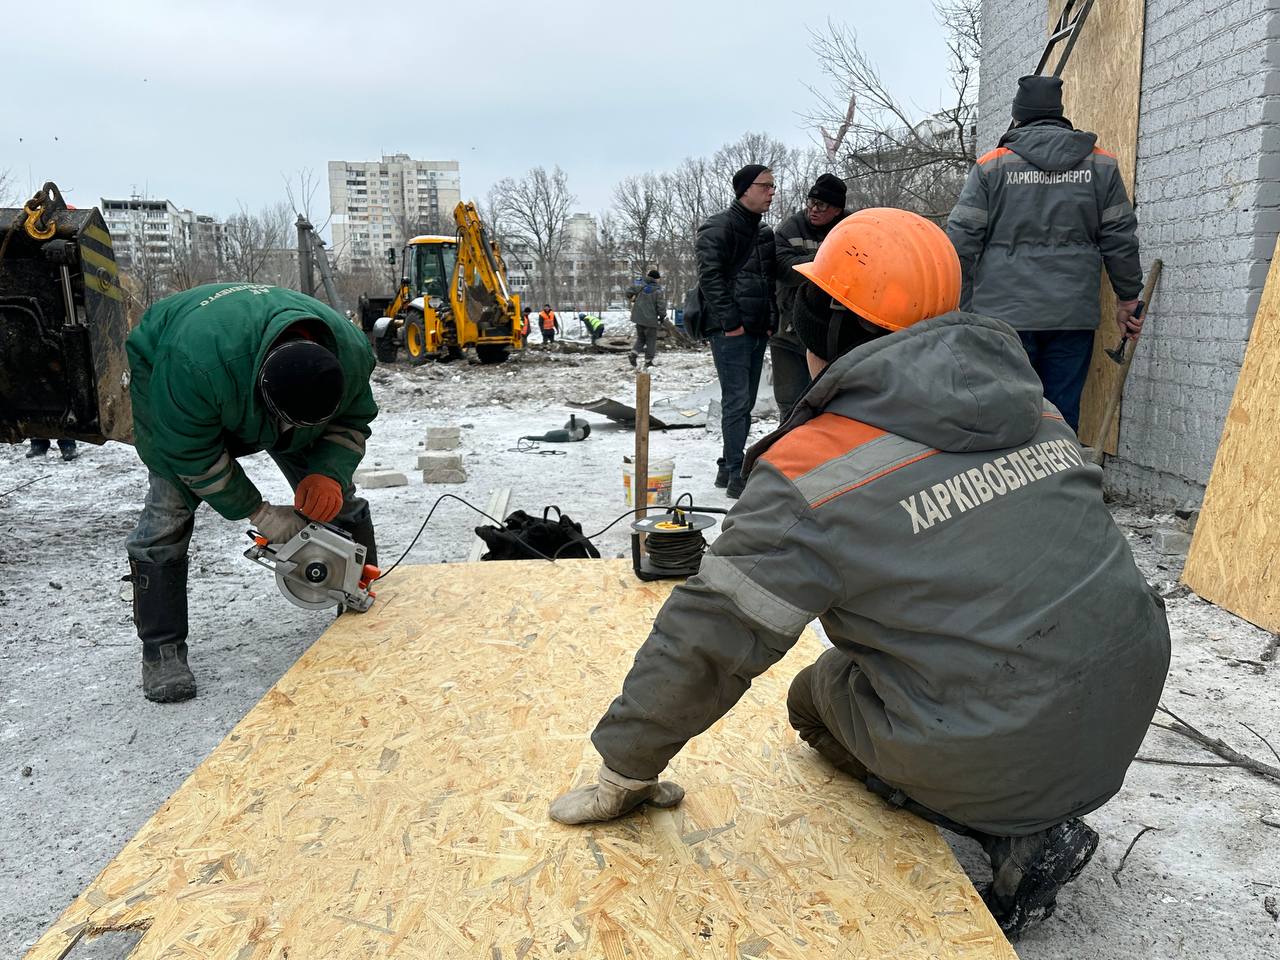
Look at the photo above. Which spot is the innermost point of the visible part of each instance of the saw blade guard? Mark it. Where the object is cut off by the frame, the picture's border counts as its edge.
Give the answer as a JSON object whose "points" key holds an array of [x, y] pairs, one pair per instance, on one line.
{"points": [[319, 567]]}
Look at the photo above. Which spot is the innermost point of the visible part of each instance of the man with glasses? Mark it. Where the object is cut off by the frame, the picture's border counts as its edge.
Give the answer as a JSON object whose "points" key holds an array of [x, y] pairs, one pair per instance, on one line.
{"points": [[734, 249], [796, 241], [220, 372]]}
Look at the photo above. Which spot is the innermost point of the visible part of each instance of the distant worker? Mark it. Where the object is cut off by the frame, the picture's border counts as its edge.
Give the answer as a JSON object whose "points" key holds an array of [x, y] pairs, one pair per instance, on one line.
{"points": [[594, 325], [1038, 218], [735, 254], [40, 447], [549, 323], [795, 241], [648, 310], [991, 682], [219, 372], [525, 327]]}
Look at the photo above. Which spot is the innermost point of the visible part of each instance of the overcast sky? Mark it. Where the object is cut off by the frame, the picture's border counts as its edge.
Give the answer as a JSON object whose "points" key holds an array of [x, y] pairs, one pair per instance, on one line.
{"points": [[210, 105]]}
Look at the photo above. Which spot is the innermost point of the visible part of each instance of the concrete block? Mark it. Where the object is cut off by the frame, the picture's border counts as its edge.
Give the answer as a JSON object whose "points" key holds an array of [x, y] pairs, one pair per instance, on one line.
{"points": [[442, 468], [1168, 541], [443, 438], [373, 479], [439, 461]]}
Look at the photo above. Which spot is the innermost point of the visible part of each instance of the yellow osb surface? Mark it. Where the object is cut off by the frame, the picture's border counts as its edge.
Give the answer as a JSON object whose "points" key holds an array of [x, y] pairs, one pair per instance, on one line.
{"points": [[1100, 89], [388, 798], [1238, 534]]}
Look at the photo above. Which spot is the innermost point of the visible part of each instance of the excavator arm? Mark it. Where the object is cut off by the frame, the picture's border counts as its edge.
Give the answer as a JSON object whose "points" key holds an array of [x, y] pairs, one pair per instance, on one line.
{"points": [[483, 297]]}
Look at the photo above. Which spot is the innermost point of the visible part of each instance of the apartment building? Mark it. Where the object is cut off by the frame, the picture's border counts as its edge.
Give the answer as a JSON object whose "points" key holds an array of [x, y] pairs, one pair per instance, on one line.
{"points": [[378, 205], [156, 233]]}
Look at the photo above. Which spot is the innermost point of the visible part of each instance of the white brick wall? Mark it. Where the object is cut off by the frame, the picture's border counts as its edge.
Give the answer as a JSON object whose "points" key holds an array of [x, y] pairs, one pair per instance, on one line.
{"points": [[1208, 200]]}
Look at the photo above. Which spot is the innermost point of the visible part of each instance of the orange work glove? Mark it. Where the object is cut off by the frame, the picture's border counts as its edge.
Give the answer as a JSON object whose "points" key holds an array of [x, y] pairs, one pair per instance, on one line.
{"points": [[318, 497]]}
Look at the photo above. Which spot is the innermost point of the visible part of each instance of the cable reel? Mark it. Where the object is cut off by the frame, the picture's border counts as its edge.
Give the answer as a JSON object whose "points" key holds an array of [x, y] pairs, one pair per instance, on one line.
{"points": [[673, 542]]}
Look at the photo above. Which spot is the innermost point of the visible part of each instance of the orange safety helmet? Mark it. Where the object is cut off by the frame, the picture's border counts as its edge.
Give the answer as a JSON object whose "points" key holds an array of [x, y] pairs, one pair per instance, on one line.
{"points": [[891, 267]]}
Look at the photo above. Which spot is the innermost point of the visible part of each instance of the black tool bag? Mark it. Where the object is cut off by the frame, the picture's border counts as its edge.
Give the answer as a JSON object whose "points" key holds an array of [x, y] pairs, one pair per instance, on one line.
{"points": [[532, 538]]}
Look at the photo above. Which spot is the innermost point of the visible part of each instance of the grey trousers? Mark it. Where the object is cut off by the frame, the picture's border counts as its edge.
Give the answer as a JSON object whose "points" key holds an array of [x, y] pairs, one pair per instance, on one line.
{"points": [[646, 342], [163, 532]]}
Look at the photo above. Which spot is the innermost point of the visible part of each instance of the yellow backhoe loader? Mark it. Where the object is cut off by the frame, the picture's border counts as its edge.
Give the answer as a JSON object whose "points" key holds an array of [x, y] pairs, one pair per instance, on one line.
{"points": [[453, 299]]}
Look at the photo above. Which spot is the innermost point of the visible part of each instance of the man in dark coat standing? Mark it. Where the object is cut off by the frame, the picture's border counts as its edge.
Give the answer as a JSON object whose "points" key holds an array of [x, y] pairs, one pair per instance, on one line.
{"points": [[734, 250], [1037, 220], [796, 241]]}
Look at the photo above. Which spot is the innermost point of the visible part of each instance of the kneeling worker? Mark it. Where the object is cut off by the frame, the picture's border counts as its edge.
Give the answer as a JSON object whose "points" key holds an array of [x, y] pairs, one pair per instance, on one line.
{"points": [[220, 372], [991, 681]]}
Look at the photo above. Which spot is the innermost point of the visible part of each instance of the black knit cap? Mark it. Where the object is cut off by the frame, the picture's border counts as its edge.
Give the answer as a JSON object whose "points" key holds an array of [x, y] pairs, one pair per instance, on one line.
{"points": [[1038, 98], [301, 382], [745, 177], [654, 274], [829, 189]]}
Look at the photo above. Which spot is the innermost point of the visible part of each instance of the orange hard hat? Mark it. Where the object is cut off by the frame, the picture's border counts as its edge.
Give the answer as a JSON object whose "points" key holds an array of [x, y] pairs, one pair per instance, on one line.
{"points": [[891, 267]]}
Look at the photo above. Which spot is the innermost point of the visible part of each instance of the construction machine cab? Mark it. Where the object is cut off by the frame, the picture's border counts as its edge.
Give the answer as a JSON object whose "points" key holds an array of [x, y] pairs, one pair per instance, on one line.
{"points": [[431, 266], [63, 371]]}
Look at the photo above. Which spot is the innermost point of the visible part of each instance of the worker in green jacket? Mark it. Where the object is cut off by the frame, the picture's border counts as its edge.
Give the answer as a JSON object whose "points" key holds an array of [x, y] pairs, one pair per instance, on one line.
{"points": [[219, 372]]}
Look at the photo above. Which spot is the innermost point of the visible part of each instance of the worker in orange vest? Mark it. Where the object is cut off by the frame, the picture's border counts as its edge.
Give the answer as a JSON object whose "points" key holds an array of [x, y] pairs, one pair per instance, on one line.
{"points": [[524, 323], [550, 323]]}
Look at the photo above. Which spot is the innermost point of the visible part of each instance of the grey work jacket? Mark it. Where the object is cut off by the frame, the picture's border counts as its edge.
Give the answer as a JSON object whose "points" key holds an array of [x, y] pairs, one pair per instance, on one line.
{"points": [[1037, 220], [927, 504]]}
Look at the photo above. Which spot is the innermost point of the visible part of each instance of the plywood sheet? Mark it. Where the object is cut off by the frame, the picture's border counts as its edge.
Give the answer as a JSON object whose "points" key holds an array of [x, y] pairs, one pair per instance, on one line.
{"points": [[388, 798], [1100, 91], [1237, 537]]}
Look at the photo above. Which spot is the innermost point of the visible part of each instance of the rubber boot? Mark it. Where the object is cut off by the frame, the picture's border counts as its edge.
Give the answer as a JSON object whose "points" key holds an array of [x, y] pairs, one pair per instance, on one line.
{"points": [[1027, 872], [160, 615]]}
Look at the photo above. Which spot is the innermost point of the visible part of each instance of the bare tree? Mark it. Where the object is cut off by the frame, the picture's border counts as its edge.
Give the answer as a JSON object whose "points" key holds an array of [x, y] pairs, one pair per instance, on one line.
{"points": [[639, 203], [535, 211], [890, 155], [258, 243], [300, 189], [8, 190]]}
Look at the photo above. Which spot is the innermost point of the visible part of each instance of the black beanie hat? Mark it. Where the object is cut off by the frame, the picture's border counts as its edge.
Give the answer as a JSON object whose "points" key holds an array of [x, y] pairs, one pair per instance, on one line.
{"points": [[747, 176], [829, 189], [1038, 98], [301, 382], [654, 274]]}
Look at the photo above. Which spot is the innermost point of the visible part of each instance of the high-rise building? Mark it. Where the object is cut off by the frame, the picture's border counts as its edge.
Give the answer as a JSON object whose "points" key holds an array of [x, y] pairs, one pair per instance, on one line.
{"points": [[155, 233], [377, 205]]}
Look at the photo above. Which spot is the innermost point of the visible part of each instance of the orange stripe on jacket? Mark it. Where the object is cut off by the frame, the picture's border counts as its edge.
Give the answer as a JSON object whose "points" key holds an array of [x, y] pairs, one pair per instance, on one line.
{"points": [[823, 438], [994, 154], [1105, 153]]}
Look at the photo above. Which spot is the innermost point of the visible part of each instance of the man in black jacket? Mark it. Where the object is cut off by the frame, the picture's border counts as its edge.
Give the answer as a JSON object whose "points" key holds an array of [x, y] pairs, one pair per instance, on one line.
{"points": [[796, 241], [736, 275]]}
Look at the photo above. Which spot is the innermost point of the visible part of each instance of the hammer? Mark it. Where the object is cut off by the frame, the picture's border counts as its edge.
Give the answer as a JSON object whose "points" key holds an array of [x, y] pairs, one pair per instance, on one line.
{"points": [[1118, 355], [1153, 275]]}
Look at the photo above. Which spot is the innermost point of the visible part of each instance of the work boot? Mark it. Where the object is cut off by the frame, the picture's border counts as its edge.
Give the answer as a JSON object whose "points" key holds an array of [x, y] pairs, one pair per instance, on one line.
{"points": [[37, 451], [160, 615], [722, 474], [1027, 872], [70, 454], [631, 359], [735, 486]]}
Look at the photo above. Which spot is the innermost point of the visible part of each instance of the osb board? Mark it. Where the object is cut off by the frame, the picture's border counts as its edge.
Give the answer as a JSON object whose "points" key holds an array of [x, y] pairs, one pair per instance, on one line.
{"points": [[1100, 88], [1238, 534], [388, 798]]}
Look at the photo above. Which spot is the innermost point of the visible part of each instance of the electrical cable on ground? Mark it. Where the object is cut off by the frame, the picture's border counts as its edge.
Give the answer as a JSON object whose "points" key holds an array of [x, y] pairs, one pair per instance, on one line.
{"points": [[681, 550]]}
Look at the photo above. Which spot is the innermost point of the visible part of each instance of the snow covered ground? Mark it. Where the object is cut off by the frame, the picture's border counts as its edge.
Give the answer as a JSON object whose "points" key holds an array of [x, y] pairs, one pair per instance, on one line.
{"points": [[85, 760]]}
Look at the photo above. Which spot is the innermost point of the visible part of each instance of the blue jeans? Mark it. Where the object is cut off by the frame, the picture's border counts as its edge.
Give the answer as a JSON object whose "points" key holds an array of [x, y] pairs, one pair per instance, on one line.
{"points": [[1061, 361], [163, 532], [739, 361]]}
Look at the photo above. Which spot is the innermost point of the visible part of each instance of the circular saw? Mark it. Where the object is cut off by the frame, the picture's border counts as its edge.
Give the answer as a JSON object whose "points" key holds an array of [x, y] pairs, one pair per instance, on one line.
{"points": [[319, 566]]}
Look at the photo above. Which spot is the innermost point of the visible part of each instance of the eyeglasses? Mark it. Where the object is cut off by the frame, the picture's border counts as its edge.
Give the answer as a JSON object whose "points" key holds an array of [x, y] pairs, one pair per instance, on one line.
{"points": [[818, 206], [767, 184]]}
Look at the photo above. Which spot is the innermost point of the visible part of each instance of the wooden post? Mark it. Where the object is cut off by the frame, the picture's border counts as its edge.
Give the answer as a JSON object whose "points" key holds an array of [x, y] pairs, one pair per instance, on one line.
{"points": [[640, 477]]}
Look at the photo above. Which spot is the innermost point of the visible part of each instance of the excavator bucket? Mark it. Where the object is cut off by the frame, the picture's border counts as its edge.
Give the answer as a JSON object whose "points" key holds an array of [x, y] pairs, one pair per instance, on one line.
{"points": [[63, 325]]}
